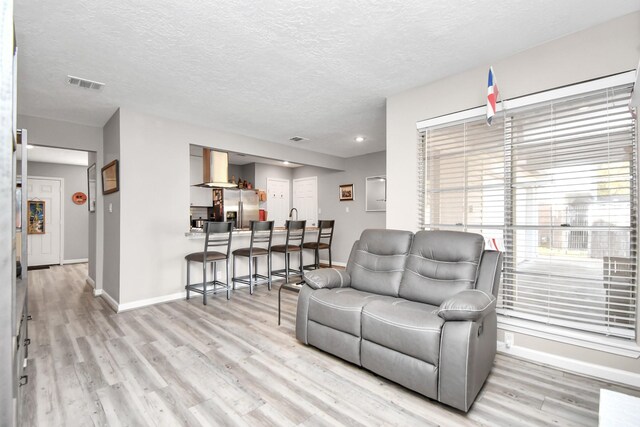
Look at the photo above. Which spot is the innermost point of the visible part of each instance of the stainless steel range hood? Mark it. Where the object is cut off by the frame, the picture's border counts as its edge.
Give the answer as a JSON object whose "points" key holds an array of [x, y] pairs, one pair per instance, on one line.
{"points": [[215, 169]]}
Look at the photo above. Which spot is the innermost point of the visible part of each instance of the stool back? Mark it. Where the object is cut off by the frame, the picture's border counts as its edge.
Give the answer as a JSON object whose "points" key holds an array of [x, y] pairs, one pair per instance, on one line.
{"points": [[295, 232], [217, 234], [325, 230], [261, 232]]}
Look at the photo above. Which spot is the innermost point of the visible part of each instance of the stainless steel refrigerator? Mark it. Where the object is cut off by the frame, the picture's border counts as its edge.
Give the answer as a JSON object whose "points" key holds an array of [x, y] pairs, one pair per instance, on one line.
{"points": [[240, 206]]}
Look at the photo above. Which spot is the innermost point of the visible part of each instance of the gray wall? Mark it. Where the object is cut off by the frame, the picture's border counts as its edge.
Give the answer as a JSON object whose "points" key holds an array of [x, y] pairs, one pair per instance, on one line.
{"points": [[76, 217], [349, 225], [111, 272]]}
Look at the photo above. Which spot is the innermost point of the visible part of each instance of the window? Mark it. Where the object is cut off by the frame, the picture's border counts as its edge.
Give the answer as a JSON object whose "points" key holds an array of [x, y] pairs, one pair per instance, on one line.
{"points": [[553, 185]]}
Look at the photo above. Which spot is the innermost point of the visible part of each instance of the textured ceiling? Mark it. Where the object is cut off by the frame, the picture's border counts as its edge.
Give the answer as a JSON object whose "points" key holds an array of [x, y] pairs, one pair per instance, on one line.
{"points": [[272, 69]]}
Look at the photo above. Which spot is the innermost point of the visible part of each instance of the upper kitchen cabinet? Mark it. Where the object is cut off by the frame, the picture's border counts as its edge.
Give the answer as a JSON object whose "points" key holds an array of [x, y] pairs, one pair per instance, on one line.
{"points": [[198, 196]]}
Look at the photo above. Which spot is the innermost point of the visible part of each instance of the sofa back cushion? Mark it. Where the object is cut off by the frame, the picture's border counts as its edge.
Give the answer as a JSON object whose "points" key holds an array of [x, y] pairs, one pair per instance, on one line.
{"points": [[378, 259], [441, 264]]}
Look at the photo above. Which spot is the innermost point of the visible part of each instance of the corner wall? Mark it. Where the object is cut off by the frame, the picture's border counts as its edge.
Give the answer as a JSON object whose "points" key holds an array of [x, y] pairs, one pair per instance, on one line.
{"points": [[603, 50], [111, 211], [349, 225]]}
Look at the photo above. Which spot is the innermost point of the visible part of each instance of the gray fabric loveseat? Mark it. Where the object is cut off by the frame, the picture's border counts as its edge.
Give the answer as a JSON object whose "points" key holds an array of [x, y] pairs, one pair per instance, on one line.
{"points": [[416, 309]]}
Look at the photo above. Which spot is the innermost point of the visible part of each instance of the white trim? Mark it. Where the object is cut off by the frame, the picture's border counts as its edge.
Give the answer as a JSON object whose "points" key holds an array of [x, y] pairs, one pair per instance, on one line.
{"points": [[572, 365], [109, 300], [97, 292], [151, 301], [75, 261], [91, 282], [598, 342], [535, 98], [60, 260]]}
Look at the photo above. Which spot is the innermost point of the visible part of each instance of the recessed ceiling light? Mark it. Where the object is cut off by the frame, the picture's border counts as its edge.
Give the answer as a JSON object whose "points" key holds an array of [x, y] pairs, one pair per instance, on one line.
{"points": [[286, 162], [359, 138]]}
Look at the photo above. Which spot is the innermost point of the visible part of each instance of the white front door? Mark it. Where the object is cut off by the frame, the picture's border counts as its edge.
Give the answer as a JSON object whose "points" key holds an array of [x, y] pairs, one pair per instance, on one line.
{"points": [[278, 201], [44, 249], [305, 199]]}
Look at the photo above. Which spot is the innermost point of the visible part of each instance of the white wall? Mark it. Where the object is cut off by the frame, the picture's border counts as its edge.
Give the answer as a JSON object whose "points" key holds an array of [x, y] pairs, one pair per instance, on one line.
{"points": [[154, 173], [111, 211], [599, 51]]}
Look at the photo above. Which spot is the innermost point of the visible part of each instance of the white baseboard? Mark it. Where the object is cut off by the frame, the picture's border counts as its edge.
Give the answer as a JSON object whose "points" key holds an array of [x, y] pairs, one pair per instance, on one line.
{"points": [[109, 300], [91, 282], [97, 292], [579, 367], [151, 301], [75, 261]]}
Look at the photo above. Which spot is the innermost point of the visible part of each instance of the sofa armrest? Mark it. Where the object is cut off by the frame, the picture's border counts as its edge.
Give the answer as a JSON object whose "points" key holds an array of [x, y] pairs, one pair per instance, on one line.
{"points": [[327, 278], [472, 304]]}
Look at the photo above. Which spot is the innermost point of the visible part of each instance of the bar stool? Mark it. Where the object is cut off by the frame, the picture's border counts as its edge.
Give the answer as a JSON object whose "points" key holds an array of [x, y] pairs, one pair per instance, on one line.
{"points": [[261, 233], [216, 234], [295, 234], [325, 237]]}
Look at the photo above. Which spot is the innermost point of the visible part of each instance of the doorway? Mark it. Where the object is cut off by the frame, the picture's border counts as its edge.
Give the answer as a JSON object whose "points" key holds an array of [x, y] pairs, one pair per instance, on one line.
{"points": [[278, 200], [44, 221], [305, 199]]}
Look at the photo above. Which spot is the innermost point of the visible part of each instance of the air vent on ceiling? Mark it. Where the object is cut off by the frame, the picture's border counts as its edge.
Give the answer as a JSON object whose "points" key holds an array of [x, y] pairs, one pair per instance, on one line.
{"points": [[298, 139], [84, 83]]}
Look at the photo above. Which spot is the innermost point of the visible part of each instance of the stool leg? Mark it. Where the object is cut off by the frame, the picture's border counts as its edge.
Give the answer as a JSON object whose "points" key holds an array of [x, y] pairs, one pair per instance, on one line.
{"points": [[330, 265], [226, 267], [250, 278], [287, 260], [204, 283], [233, 279], [188, 282], [301, 266], [269, 270], [215, 276], [317, 259]]}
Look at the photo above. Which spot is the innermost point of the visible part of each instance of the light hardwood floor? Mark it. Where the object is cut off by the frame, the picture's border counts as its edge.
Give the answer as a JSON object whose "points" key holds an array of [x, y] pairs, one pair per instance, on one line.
{"points": [[181, 363]]}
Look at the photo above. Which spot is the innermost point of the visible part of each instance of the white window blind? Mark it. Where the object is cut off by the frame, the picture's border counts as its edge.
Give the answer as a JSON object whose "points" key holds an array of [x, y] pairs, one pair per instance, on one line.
{"points": [[555, 184]]}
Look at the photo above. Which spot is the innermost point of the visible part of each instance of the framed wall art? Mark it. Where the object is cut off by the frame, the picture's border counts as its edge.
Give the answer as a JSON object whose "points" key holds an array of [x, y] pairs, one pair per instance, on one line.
{"points": [[36, 214], [110, 178], [346, 192]]}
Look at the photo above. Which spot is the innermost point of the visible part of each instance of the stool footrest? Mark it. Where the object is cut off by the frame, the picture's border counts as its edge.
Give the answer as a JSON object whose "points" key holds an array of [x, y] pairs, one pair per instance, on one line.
{"points": [[255, 279], [213, 287]]}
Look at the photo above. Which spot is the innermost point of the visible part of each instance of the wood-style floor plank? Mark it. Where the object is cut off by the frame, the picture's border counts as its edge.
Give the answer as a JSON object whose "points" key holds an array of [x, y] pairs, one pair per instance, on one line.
{"points": [[228, 363]]}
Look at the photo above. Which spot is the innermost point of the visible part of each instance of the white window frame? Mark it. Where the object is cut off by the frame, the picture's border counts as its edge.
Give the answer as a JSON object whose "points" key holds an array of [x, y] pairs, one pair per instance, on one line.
{"points": [[619, 346]]}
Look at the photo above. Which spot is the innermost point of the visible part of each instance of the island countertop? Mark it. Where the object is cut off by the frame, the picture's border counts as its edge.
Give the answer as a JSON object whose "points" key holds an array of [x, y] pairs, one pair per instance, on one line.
{"points": [[198, 233]]}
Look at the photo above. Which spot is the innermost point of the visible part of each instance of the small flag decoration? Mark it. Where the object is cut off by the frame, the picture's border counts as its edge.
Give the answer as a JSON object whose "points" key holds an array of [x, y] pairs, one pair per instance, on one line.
{"points": [[492, 96]]}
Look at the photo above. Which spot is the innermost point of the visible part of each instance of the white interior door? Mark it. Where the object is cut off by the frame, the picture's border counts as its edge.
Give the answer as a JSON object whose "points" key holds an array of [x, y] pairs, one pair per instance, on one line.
{"points": [[44, 249], [305, 199], [278, 201]]}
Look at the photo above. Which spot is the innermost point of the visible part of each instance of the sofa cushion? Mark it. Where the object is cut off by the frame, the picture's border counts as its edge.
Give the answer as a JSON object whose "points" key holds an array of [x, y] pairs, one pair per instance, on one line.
{"points": [[441, 264], [408, 327], [340, 308], [378, 261]]}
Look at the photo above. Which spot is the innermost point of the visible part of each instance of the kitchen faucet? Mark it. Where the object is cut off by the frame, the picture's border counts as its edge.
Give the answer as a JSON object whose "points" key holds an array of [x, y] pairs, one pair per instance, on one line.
{"points": [[291, 213]]}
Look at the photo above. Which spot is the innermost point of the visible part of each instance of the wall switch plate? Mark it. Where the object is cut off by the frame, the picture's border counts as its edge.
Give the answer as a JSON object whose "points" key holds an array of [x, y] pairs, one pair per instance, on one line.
{"points": [[508, 339], [347, 209], [319, 211], [110, 207]]}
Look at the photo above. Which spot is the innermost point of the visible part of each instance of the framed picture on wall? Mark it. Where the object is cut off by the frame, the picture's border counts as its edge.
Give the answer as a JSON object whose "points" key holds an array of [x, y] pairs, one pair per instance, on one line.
{"points": [[36, 217], [346, 192], [110, 179], [92, 178]]}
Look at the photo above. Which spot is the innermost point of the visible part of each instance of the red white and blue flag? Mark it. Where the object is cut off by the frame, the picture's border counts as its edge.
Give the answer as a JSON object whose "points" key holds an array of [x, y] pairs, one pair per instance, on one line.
{"points": [[492, 96]]}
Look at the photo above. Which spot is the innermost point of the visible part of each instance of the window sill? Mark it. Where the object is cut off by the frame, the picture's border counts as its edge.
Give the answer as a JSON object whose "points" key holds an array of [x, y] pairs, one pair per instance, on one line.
{"points": [[611, 345]]}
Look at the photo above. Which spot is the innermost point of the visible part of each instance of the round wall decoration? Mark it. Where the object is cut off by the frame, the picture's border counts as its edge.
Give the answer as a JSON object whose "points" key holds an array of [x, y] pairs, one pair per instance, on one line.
{"points": [[79, 198]]}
